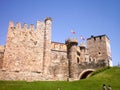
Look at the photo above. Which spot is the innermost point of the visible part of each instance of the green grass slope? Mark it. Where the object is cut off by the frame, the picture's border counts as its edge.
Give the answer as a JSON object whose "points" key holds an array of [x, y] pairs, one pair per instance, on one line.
{"points": [[109, 77]]}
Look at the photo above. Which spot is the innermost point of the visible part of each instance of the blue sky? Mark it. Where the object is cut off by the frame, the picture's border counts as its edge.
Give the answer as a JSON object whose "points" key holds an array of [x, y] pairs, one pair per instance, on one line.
{"points": [[85, 17]]}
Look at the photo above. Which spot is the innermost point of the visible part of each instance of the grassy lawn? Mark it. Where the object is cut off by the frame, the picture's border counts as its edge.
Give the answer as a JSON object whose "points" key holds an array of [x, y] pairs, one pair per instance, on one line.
{"points": [[109, 77]]}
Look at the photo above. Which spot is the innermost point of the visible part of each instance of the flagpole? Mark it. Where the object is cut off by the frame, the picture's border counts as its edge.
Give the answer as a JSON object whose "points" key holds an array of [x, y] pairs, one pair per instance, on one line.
{"points": [[73, 34]]}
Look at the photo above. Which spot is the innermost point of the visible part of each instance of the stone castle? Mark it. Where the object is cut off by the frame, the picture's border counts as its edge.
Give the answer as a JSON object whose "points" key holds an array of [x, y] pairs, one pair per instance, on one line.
{"points": [[29, 54]]}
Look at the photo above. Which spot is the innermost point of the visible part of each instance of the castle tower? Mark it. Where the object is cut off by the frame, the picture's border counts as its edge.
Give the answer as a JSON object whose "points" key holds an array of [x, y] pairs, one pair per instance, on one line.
{"points": [[47, 44], [72, 57], [24, 48], [40, 28], [99, 49]]}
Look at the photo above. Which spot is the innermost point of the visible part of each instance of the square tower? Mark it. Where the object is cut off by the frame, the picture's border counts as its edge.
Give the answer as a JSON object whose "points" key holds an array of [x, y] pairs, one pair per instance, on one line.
{"points": [[99, 49], [24, 49]]}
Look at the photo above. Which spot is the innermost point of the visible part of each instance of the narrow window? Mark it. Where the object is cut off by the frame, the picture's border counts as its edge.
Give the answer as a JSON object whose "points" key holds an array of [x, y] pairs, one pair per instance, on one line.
{"points": [[78, 60]]}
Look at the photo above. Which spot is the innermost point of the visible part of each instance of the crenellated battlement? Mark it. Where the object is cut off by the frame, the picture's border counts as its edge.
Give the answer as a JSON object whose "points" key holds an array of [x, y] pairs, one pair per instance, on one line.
{"points": [[58, 46], [25, 26], [98, 38], [40, 25]]}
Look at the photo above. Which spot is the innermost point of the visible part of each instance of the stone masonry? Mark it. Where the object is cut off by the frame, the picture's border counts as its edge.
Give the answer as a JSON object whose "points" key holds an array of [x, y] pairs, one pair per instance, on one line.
{"points": [[29, 54]]}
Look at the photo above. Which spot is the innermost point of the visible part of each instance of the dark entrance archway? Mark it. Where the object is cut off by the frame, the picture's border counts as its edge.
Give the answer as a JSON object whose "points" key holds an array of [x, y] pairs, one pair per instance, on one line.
{"points": [[86, 73]]}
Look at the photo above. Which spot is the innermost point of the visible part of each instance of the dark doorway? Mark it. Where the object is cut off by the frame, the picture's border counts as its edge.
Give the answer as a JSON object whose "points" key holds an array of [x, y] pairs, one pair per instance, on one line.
{"points": [[85, 74]]}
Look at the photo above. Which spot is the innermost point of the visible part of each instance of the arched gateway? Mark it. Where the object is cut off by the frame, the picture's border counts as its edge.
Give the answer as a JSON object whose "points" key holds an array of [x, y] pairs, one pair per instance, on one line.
{"points": [[85, 73]]}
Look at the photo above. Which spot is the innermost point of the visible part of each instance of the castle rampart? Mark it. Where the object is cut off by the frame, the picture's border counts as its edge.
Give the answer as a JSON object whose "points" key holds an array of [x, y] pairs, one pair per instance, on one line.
{"points": [[29, 54]]}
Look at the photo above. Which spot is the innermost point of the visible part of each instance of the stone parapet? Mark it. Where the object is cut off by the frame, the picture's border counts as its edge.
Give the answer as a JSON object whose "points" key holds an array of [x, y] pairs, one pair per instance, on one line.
{"points": [[58, 46], [25, 26]]}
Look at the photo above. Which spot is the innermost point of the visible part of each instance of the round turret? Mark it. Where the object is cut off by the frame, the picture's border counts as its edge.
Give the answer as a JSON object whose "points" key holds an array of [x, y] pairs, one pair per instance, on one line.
{"points": [[72, 57], [47, 45]]}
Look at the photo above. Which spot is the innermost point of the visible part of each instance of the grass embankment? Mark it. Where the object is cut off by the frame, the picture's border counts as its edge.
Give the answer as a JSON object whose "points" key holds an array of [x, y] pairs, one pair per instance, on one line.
{"points": [[109, 77]]}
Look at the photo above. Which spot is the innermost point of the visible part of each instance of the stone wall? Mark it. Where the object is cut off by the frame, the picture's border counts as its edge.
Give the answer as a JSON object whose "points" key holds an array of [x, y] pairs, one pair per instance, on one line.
{"points": [[27, 76], [24, 48], [98, 48], [59, 61]]}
